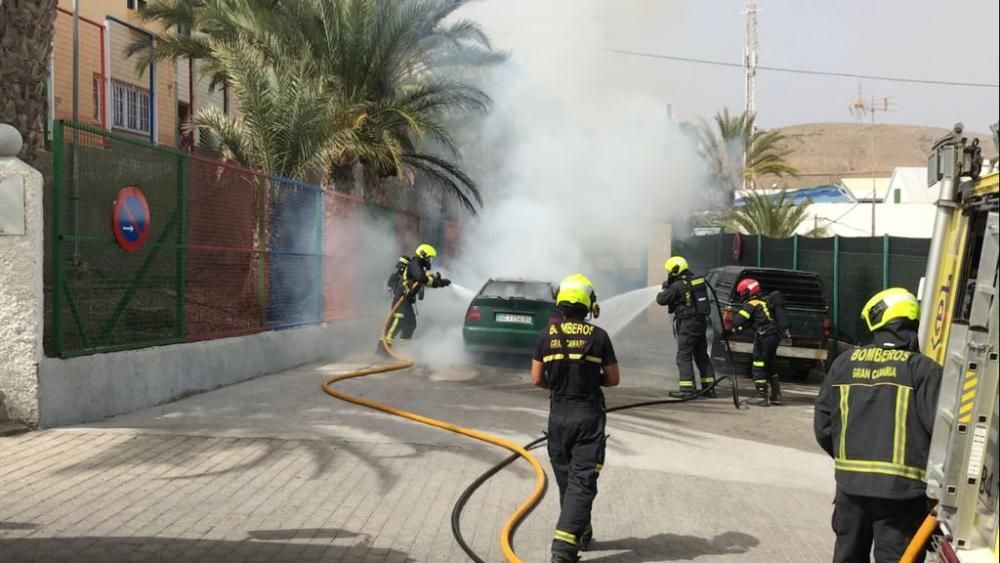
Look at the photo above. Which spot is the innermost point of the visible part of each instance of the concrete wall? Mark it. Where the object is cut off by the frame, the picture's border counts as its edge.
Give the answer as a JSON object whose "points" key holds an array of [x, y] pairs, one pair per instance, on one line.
{"points": [[21, 297], [94, 387]]}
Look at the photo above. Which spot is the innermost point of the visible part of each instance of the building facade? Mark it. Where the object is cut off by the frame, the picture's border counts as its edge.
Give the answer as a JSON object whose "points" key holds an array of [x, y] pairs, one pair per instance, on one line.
{"points": [[155, 102]]}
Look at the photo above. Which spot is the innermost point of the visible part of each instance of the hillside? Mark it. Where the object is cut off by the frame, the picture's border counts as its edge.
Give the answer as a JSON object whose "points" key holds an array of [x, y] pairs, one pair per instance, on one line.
{"points": [[826, 152]]}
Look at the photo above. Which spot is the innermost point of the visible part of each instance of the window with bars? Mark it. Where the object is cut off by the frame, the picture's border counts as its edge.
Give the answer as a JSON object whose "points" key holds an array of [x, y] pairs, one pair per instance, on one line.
{"points": [[130, 108]]}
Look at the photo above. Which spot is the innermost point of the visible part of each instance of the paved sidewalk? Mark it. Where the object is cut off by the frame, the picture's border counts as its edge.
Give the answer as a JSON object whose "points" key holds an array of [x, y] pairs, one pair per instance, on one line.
{"points": [[275, 470]]}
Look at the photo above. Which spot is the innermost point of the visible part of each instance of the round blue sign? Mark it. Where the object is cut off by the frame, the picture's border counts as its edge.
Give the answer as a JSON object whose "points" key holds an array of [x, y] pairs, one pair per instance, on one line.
{"points": [[130, 219]]}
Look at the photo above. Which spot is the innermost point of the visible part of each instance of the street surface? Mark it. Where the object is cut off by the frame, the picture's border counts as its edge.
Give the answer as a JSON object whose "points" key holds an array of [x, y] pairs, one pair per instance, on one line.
{"points": [[275, 470]]}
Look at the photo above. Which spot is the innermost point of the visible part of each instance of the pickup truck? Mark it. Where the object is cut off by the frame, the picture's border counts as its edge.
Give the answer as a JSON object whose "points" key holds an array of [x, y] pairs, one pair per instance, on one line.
{"points": [[803, 354]]}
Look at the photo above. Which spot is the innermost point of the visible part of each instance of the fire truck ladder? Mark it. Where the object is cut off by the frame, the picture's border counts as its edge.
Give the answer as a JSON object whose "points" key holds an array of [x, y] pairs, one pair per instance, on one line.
{"points": [[962, 466]]}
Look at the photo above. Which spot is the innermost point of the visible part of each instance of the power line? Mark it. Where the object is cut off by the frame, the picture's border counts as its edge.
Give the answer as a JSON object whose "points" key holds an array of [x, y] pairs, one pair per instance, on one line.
{"points": [[806, 71]]}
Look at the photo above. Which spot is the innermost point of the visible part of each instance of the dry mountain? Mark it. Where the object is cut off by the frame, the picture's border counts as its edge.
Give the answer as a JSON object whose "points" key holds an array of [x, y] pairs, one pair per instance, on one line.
{"points": [[826, 152]]}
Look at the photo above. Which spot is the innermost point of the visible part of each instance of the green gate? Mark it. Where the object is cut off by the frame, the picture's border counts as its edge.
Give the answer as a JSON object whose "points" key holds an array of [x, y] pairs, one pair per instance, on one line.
{"points": [[105, 299]]}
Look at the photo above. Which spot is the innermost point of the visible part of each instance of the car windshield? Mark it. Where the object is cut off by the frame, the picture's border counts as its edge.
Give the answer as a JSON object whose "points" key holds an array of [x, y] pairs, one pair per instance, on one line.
{"points": [[534, 290]]}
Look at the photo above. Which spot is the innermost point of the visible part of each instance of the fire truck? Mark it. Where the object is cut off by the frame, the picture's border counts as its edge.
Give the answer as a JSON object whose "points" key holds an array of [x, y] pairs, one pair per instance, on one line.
{"points": [[958, 329]]}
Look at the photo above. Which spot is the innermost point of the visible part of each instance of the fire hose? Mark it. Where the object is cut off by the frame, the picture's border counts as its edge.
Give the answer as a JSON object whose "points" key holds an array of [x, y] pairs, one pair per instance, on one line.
{"points": [[507, 532], [463, 499], [525, 508]]}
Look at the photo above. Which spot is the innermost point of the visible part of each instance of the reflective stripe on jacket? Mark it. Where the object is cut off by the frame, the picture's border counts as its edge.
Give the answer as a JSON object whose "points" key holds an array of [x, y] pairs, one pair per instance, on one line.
{"points": [[874, 415]]}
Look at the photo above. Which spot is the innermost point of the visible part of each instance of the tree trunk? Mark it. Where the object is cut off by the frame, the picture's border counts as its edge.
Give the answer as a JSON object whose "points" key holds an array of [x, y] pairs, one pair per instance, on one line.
{"points": [[374, 188], [342, 178], [26, 30]]}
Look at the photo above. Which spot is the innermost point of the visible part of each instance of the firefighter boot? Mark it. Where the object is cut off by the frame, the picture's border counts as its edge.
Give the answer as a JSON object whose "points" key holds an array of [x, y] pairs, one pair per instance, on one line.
{"points": [[761, 399], [557, 558], [684, 394], [775, 396], [709, 393]]}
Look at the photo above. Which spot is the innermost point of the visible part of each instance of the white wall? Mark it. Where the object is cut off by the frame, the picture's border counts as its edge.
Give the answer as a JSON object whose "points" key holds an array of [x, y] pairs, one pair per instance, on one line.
{"points": [[20, 282], [913, 220]]}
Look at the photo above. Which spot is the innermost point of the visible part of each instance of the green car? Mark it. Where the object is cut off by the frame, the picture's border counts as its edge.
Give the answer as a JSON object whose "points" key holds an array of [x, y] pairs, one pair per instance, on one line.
{"points": [[507, 315]]}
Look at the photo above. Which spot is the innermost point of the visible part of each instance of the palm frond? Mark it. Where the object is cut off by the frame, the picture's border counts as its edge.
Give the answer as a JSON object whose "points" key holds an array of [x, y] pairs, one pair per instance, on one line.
{"points": [[768, 215]]}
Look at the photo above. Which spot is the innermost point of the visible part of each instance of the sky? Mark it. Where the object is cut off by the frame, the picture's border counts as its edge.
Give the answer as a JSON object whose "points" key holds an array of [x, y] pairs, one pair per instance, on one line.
{"points": [[922, 39]]}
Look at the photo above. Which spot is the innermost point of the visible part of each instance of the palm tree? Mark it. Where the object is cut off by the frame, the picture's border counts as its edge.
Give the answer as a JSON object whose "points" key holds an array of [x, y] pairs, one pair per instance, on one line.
{"points": [[285, 126], [383, 65], [736, 150], [26, 30], [773, 216]]}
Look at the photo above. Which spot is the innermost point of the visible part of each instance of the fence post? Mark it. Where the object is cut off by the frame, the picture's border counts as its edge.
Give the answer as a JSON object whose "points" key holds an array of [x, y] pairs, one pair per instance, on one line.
{"points": [[182, 236], [58, 231], [836, 282], [263, 199], [760, 248], [795, 252], [22, 309], [320, 290], [885, 260]]}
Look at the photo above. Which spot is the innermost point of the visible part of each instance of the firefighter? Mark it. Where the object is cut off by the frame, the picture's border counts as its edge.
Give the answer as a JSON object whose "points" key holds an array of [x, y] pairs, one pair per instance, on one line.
{"points": [[411, 276], [686, 297], [756, 314], [574, 359], [874, 415]]}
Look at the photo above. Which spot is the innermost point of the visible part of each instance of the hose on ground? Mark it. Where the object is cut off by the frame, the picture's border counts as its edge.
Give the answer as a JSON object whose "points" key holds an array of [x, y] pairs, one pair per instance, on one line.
{"points": [[510, 525], [463, 499]]}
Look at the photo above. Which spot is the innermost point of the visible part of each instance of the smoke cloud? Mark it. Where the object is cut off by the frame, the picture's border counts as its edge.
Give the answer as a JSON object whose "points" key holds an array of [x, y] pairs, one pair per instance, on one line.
{"points": [[573, 167], [578, 166]]}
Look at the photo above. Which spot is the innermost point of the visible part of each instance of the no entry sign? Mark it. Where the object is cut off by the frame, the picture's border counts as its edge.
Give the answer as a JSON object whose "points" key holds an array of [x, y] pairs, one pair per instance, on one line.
{"points": [[130, 219]]}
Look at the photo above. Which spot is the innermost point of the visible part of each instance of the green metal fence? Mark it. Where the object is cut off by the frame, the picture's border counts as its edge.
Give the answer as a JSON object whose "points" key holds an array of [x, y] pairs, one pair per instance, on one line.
{"points": [[229, 251], [853, 268], [104, 300]]}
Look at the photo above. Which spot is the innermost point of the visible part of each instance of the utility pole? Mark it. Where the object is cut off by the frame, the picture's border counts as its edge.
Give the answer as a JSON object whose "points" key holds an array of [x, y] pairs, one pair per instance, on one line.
{"points": [[750, 73], [74, 154], [861, 108]]}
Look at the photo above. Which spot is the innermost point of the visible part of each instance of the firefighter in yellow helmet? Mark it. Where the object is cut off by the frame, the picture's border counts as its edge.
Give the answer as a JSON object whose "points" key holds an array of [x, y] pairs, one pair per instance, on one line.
{"points": [[874, 415], [573, 360], [409, 278], [686, 298]]}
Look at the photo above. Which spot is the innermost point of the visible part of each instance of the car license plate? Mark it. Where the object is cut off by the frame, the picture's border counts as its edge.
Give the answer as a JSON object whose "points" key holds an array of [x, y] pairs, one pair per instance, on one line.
{"points": [[511, 318]]}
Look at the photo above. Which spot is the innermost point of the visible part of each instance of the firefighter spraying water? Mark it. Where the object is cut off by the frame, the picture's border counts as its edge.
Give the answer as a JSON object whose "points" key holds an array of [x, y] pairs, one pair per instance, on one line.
{"points": [[686, 298], [407, 282]]}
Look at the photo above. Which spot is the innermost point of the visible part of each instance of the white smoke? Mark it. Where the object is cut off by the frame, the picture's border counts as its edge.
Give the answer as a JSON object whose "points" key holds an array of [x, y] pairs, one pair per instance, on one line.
{"points": [[581, 167], [573, 166]]}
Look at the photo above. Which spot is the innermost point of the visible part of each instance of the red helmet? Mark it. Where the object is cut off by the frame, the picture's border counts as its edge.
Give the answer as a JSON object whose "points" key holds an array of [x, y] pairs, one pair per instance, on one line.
{"points": [[747, 288]]}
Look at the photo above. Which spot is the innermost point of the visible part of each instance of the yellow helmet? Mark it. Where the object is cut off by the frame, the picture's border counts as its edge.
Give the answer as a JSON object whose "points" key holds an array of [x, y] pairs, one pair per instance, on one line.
{"points": [[577, 290], [889, 305], [675, 265], [426, 251]]}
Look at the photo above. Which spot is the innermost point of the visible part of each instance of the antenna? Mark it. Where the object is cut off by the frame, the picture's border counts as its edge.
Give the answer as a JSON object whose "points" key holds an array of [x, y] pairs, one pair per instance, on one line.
{"points": [[750, 71], [750, 59], [860, 108]]}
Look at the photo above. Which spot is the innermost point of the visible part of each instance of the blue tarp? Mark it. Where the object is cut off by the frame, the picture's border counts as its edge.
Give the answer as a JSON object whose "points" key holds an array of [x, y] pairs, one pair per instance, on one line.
{"points": [[830, 193]]}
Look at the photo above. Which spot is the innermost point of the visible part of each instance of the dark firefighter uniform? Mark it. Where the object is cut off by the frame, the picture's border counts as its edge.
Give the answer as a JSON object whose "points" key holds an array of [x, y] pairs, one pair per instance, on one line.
{"points": [[574, 355], [754, 314], [686, 297], [874, 415], [414, 276]]}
